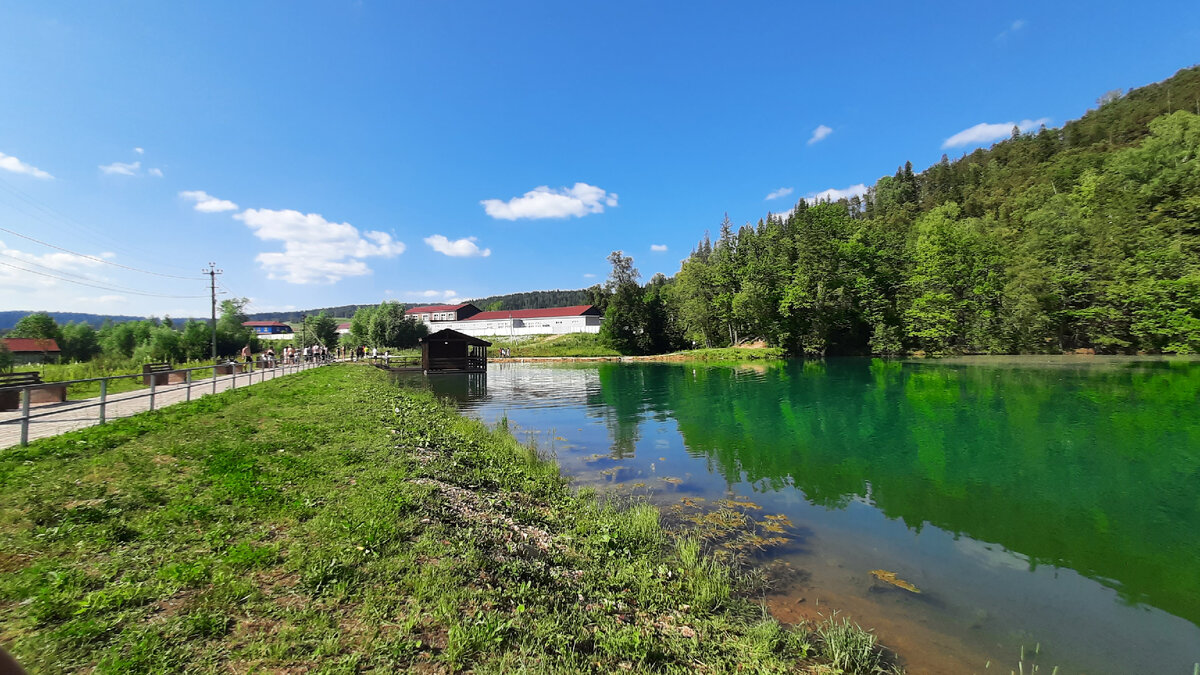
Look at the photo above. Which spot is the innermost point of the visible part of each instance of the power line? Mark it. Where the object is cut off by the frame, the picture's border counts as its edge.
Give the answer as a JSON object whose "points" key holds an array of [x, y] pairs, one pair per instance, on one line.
{"points": [[72, 274], [96, 235], [92, 285], [92, 257]]}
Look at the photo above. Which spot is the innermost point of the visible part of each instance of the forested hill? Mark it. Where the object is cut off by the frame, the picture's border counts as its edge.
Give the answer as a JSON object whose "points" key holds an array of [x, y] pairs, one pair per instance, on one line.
{"points": [[1081, 237], [8, 319], [528, 300], [533, 300]]}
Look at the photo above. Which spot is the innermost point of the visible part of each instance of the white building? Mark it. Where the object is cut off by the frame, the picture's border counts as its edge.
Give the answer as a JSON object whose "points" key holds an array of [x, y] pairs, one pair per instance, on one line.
{"points": [[551, 321]]}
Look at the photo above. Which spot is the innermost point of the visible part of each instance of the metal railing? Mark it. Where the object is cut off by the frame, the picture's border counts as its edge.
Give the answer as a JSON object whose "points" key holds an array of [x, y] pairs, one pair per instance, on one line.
{"points": [[121, 402]]}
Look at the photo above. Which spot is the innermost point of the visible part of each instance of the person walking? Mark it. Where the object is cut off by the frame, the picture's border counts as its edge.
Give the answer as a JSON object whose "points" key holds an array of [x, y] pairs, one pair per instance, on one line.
{"points": [[246, 355]]}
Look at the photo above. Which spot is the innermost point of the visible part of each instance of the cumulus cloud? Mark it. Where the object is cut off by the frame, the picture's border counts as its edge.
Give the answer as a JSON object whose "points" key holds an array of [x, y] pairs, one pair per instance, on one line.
{"points": [[121, 168], [315, 250], [459, 248], [834, 194], [658, 248], [781, 192], [986, 133], [157, 173], [543, 202], [819, 134], [208, 203], [140, 151], [10, 163]]}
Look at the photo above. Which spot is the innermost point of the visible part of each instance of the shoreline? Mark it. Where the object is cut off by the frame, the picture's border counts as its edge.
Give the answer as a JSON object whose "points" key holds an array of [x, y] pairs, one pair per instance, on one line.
{"points": [[242, 531]]}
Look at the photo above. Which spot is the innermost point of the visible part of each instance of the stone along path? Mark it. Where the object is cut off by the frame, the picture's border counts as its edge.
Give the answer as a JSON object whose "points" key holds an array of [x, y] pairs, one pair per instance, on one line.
{"points": [[56, 418]]}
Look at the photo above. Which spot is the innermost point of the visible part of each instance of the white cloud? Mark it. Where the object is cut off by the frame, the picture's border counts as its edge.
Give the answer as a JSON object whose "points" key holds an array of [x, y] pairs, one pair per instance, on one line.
{"points": [[986, 133], [819, 134], [781, 192], [10, 163], [139, 151], [589, 275], [430, 296], [207, 203], [314, 249], [542, 202], [104, 299], [658, 248], [459, 248], [121, 168], [66, 262], [1012, 28], [155, 172], [834, 194]]}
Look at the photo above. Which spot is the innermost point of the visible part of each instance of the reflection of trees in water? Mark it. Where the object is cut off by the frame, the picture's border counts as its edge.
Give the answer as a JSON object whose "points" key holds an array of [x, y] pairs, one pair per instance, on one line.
{"points": [[1092, 469]]}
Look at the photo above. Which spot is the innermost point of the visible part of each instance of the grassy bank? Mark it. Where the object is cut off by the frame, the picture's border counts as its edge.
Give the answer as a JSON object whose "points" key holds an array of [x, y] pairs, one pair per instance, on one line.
{"points": [[331, 521], [722, 354], [571, 344]]}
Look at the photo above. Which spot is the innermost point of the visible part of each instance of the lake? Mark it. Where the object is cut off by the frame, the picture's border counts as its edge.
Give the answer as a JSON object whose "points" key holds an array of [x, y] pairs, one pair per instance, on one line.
{"points": [[1045, 506]]}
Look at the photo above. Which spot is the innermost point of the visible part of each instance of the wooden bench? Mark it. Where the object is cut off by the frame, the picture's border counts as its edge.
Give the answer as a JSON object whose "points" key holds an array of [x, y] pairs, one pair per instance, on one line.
{"points": [[158, 373], [45, 392], [229, 368]]}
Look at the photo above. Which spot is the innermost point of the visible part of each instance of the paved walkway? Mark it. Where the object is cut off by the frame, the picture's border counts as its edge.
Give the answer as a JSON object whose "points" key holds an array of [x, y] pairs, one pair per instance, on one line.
{"points": [[55, 418]]}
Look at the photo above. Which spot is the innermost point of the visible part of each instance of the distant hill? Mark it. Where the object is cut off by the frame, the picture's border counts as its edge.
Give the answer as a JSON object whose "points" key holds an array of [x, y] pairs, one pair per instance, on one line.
{"points": [[526, 300], [10, 318]]}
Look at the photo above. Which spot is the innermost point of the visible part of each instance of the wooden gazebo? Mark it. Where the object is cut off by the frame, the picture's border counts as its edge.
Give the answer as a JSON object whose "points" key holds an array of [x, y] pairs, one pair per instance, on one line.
{"points": [[449, 351]]}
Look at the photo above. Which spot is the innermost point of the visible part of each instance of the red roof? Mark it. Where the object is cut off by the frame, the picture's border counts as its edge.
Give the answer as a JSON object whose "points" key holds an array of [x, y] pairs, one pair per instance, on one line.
{"points": [[30, 345], [343, 326], [263, 323], [435, 308], [577, 310]]}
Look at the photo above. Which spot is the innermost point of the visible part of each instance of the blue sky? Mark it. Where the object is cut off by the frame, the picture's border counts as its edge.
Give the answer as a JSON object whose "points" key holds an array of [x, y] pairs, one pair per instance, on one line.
{"points": [[325, 153]]}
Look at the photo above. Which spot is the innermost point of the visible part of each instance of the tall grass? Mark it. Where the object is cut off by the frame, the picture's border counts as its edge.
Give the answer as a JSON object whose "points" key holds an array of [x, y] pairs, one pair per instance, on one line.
{"points": [[568, 345]]}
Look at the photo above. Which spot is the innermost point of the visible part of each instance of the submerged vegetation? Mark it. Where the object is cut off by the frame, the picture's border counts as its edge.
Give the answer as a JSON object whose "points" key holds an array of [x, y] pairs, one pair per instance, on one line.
{"points": [[242, 531]]}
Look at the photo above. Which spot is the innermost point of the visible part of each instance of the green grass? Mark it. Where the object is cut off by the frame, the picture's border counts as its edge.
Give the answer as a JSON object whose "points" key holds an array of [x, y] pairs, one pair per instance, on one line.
{"points": [[731, 354], [330, 521], [58, 372], [568, 345]]}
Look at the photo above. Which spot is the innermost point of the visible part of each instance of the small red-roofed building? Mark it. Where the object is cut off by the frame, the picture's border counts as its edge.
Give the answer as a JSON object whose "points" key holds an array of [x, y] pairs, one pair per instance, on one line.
{"points": [[27, 351]]}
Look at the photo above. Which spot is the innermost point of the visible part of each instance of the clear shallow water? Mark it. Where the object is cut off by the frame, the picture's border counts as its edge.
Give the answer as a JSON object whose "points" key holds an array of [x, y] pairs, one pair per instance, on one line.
{"points": [[1035, 501]]}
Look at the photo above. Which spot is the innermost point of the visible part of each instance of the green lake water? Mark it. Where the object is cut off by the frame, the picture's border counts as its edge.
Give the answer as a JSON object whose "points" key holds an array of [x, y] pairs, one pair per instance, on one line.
{"points": [[1038, 502]]}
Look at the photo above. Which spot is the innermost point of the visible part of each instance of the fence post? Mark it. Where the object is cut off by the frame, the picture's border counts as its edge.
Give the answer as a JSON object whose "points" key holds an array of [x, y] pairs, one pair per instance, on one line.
{"points": [[153, 384], [233, 369], [25, 394], [187, 380], [214, 378], [103, 398]]}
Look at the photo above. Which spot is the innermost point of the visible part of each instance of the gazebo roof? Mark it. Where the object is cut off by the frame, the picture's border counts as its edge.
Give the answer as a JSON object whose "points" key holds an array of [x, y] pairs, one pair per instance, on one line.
{"points": [[449, 335]]}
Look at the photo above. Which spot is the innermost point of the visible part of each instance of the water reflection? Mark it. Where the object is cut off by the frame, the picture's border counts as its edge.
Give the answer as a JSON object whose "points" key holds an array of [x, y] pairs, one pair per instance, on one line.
{"points": [[1004, 474]]}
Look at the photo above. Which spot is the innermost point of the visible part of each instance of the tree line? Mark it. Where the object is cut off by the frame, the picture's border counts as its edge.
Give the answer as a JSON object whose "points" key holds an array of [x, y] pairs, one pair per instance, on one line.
{"points": [[1085, 237]]}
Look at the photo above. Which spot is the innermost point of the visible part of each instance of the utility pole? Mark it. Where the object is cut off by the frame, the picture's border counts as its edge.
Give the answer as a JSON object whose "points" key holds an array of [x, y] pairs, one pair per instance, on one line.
{"points": [[212, 273]]}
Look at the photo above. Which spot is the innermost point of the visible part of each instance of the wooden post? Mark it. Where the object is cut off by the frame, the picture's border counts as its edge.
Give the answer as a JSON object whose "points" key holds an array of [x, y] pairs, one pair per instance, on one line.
{"points": [[25, 394]]}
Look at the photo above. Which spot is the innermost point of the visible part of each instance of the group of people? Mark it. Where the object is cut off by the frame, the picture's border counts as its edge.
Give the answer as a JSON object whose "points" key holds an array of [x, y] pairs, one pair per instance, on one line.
{"points": [[289, 355], [361, 352]]}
